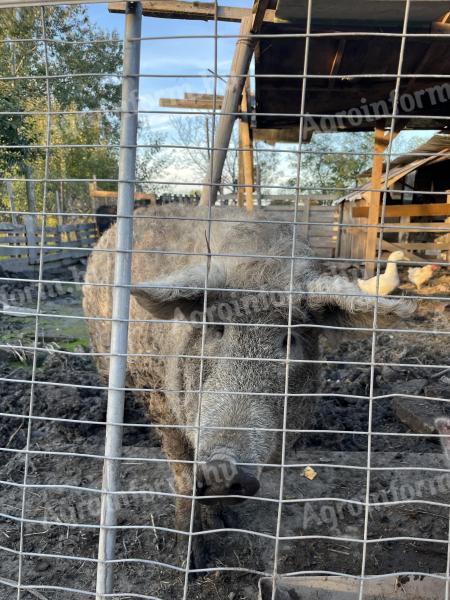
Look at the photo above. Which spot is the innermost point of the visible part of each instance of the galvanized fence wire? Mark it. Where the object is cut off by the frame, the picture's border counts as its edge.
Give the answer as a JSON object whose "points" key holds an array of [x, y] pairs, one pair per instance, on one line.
{"points": [[115, 425], [375, 314]]}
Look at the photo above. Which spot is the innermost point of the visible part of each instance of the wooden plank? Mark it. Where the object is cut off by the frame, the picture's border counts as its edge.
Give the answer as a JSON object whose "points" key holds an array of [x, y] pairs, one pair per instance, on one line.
{"points": [[64, 255], [259, 11], [196, 96], [274, 136], [12, 239], [13, 250], [394, 247], [10, 227], [447, 221], [348, 588], [204, 11], [373, 217], [367, 14], [425, 246], [410, 210], [189, 104], [240, 189], [246, 144], [395, 228]]}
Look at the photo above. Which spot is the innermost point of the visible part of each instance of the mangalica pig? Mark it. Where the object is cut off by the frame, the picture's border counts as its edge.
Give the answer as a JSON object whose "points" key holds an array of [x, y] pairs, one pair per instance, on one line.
{"points": [[222, 384]]}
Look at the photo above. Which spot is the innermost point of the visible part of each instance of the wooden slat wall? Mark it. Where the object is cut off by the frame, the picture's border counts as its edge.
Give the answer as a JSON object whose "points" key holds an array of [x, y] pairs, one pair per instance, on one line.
{"points": [[320, 228], [21, 243], [397, 217]]}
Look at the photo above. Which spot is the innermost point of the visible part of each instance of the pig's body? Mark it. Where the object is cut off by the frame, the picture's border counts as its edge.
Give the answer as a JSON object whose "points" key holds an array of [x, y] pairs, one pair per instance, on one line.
{"points": [[244, 397]]}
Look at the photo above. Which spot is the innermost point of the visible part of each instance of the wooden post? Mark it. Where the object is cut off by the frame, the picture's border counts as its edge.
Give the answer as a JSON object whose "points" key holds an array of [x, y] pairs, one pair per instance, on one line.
{"points": [[62, 199], [448, 221], [380, 142], [59, 218], [12, 206], [30, 232], [232, 98], [340, 231], [241, 176], [403, 236], [31, 200], [246, 150]]}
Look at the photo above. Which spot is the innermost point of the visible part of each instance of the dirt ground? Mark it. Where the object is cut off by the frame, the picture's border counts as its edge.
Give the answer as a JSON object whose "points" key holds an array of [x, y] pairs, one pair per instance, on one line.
{"points": [[339, 459]]}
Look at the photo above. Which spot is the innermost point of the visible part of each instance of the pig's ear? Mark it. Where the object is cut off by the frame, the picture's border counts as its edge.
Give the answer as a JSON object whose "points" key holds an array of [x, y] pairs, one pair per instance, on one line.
{"points": [[442, 424], [182, 290], [337, 301]]}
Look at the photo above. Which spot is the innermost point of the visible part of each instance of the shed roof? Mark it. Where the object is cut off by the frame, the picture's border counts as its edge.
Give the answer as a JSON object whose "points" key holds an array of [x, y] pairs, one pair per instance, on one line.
{"points": [[361, 62], [434, 150]]}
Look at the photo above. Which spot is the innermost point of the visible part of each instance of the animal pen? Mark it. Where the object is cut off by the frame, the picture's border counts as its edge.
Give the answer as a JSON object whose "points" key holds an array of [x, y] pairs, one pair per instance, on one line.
{"points": [[308, 461]]}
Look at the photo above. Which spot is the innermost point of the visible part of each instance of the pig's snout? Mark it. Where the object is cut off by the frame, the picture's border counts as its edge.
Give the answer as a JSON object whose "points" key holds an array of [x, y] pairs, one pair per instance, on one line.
{"points": [[224, 478]]}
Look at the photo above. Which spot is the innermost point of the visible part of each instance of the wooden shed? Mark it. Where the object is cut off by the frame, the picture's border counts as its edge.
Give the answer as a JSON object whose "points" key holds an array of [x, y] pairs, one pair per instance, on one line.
{"points": [[417, 208]]}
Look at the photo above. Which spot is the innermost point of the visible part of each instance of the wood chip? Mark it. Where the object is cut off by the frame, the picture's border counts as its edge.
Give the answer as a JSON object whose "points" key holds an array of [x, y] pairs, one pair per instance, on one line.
{"points": [[309, 473]]}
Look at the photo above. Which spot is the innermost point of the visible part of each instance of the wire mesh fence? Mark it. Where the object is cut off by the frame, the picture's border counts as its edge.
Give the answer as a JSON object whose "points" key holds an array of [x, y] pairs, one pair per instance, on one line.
{"points": [[224, 244]]}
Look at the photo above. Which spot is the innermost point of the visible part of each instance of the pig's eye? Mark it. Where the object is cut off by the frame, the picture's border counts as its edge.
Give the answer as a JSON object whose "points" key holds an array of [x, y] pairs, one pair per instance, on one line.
{"points": [[294, 341], [216, 330]]}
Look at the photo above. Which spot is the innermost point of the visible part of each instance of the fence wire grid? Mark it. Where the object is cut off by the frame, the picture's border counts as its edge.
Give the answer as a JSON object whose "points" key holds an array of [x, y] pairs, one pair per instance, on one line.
{"points": [[224, 293]]}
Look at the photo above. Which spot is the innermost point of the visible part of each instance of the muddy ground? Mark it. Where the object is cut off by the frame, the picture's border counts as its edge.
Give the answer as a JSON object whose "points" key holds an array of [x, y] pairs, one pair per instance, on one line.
{"points": [[144, 517]]}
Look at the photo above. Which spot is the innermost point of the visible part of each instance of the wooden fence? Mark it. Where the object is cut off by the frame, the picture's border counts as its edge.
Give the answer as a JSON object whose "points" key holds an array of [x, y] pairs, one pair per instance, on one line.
{"points": [[402, 223], [20, 245], [320, 226]]}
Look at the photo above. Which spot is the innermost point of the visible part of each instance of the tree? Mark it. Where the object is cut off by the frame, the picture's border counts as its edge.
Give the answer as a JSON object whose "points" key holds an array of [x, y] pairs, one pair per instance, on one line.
{"points": [[151, 161], [93, 99], [190, 134], [332, 162]]}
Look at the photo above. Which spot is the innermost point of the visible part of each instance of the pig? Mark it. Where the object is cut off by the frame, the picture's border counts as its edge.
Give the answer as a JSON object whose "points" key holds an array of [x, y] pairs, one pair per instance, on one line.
{"points": [[226, 410]]}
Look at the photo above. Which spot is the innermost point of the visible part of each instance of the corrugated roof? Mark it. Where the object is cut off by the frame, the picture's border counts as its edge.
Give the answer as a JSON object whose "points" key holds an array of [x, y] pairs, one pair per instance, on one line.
{"points": [[435, 149]]}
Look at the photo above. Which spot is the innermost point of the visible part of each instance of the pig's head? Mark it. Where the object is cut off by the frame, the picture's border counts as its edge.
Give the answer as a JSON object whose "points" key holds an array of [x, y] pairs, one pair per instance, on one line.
{"points": [[245, 400]]}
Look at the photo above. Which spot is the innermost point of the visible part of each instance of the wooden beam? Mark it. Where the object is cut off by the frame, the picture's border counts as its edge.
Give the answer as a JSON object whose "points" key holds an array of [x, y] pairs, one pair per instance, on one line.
{"points": [[259, 11], [240, 193], [409, 255], [203, 11], [408, 210], [246, 145], [380, 143], [448, 220], [195, 96], [190, 103]]}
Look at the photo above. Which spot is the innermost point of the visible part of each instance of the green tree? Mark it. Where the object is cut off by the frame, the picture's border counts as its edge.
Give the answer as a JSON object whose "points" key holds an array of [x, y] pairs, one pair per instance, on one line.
{"points": [[24, 95], [334, 160]]}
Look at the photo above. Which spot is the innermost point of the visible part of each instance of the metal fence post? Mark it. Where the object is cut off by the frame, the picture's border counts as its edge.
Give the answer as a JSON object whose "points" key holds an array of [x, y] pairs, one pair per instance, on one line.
{"points": [[121, 296]]}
